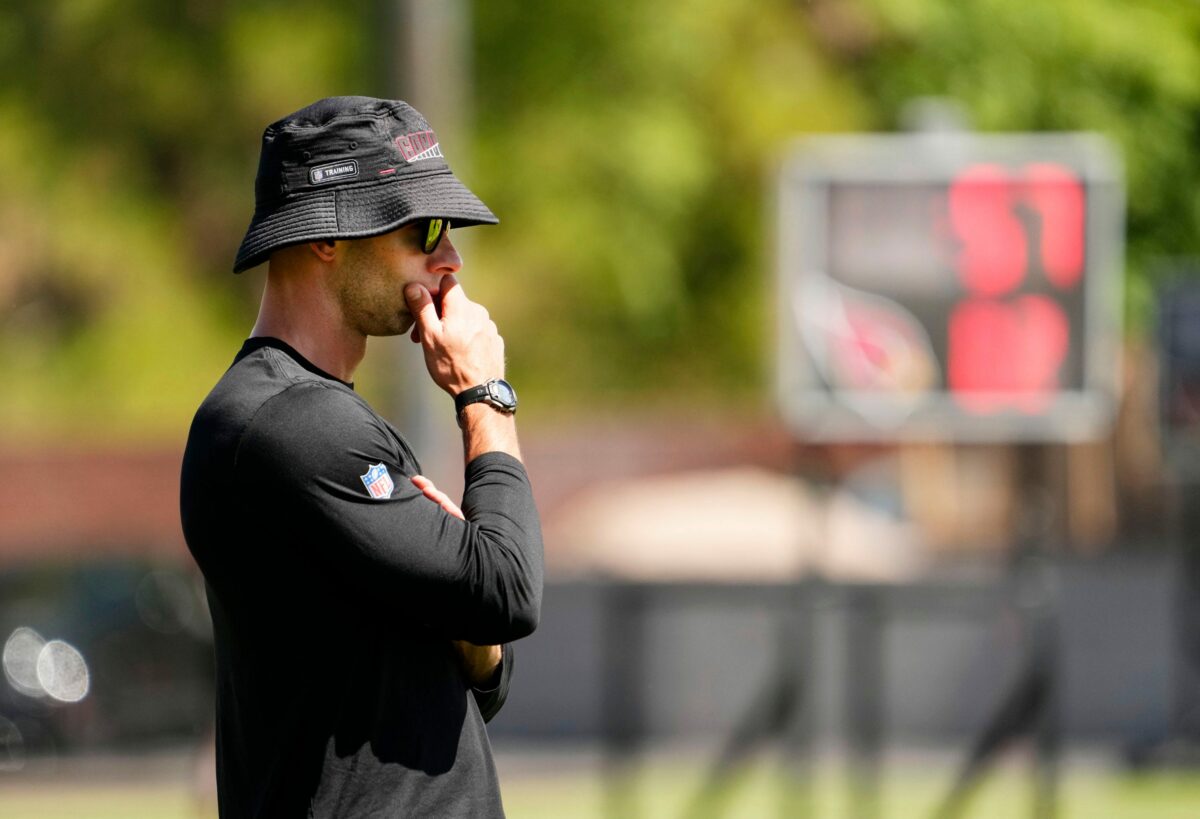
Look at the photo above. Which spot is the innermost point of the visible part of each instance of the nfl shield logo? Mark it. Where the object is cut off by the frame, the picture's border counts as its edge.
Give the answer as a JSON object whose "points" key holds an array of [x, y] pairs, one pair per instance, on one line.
{"points": [[378, 482]]}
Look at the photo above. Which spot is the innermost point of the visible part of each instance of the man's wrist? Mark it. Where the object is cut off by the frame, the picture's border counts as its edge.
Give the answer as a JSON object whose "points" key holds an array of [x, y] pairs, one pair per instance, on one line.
{"points": [[495, 392], [481, 413], [487, 430]]}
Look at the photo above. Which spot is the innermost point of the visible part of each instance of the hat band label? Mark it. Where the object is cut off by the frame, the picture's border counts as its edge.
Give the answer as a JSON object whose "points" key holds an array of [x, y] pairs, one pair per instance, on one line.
{"points": [[333, 172]]}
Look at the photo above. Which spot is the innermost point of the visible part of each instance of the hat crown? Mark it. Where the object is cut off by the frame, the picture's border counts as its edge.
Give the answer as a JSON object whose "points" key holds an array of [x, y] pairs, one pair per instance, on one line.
{"points": [[363, 137], [322, 112]]}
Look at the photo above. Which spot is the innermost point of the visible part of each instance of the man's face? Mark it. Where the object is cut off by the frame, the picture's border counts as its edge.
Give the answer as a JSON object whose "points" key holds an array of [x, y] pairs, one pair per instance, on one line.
{"points": [[371, 273]]}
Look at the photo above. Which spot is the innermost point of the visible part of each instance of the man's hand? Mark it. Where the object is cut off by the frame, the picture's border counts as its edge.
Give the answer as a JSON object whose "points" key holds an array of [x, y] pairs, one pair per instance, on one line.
{"points": [[462, 346], [436, 495], [463, 349], [478, 663]]}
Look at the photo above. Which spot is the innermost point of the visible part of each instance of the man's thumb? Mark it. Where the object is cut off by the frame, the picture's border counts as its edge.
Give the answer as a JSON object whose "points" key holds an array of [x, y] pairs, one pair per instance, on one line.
{"points": [[421, 304]]}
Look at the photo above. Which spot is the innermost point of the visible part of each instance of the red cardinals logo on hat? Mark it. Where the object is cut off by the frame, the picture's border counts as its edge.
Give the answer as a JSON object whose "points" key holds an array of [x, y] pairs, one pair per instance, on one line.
{"points": [[418, 145]]}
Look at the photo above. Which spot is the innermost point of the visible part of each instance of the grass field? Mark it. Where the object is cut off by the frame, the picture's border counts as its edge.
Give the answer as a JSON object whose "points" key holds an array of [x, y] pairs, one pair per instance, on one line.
{"points": [[669, 790], [540, 787]]}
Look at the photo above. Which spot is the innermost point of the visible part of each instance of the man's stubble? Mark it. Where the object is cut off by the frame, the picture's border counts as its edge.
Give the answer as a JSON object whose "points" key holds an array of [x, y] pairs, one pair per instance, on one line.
{"points": [[370, 292]]}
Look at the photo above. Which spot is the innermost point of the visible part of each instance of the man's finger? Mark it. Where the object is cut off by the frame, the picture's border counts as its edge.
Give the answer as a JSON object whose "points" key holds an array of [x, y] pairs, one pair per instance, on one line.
{"points": [[429, 490], [424, 484], [451, 293], [420, 303]]}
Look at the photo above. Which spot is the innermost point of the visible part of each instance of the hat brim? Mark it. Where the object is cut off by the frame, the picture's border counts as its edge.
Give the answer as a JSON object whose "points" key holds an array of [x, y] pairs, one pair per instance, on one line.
{"points": [[359, 212]]}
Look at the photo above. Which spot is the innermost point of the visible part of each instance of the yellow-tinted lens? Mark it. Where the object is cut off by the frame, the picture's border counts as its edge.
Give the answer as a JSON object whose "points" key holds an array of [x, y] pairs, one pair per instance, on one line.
{"points": [[433, 234]]}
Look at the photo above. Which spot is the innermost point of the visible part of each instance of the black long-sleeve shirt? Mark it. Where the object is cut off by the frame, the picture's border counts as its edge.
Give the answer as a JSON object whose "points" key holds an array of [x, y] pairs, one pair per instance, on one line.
{"points": [[336, 587]]}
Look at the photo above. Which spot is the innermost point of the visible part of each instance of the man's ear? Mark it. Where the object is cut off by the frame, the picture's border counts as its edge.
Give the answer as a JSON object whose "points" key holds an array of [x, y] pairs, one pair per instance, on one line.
{"points": [[324, 249]]}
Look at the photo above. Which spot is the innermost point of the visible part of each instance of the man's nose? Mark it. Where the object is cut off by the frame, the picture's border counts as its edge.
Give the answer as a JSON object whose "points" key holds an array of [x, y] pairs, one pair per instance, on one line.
{"points": [[445, 258]]}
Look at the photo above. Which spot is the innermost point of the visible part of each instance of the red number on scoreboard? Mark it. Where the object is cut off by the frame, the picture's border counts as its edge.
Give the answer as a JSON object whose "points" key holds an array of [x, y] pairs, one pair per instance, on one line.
{"points": [[1006, 348]]}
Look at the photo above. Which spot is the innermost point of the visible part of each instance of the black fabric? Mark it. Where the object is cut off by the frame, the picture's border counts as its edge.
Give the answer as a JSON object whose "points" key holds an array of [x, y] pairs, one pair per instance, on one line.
{"points": [[398, 175], [338, 692]]}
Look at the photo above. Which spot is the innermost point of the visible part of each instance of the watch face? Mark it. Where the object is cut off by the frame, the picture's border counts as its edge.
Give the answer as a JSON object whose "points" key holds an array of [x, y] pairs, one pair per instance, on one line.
{"points": [[503, 392]]}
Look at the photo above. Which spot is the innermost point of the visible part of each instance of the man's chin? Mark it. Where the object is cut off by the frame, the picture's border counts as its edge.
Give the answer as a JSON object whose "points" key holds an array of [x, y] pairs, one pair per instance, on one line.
{"points": [[398, 326]]}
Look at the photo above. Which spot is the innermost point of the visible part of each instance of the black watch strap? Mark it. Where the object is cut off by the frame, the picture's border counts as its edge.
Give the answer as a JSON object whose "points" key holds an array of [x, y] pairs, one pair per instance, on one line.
{"points": [[497, 393], [469, 396]]}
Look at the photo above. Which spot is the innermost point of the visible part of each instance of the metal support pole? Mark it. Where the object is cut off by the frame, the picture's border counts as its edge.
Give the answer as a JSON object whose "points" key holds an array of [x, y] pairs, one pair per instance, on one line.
{"points": [[622, 709], [1031, 705], [797, 651], [1043, 632], [1042, 535], [864, 700]]}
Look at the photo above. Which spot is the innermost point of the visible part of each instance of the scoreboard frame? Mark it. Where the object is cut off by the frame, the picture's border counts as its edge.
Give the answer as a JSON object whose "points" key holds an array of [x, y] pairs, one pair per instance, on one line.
{"points": [[816, 168]]}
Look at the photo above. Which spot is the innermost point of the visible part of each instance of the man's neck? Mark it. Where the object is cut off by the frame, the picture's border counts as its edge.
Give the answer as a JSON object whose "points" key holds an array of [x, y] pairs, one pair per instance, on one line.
{"points": [[339, 360], [314, 328]]}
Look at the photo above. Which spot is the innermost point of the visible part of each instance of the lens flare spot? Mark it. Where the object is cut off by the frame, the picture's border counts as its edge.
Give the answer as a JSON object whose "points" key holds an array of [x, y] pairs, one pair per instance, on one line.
{"points": [[19, 660], [62, 671]]}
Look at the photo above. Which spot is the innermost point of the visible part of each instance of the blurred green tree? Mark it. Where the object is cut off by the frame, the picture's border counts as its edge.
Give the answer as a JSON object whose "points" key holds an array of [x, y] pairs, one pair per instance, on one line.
{"points": [[128, 131]]}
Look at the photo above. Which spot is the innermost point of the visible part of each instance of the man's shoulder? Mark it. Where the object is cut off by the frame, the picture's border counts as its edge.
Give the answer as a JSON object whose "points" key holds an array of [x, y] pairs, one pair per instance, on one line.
{"points": [[313, 409], [270, 376], [266, 390]]}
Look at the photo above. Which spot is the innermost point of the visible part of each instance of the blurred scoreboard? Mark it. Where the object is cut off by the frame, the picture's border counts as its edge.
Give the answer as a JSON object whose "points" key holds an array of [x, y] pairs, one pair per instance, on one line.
{"points": [[950, 286]]}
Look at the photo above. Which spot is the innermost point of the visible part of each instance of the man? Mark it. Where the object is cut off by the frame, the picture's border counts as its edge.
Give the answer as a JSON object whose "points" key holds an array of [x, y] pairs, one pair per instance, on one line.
{"points": [[361, 619]]}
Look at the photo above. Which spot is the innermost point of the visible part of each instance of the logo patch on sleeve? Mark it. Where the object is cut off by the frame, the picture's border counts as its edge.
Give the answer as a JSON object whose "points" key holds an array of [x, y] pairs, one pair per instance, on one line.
{"points": [[378, 482]]}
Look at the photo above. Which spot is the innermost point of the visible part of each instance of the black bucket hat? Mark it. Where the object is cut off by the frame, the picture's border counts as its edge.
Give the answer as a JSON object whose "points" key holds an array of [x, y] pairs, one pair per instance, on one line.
{"points": [[350, 167]]}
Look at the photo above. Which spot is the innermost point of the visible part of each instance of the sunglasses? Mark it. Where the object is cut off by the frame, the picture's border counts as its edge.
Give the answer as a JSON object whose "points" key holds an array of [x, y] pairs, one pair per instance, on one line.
{"points": [[432, 231]]}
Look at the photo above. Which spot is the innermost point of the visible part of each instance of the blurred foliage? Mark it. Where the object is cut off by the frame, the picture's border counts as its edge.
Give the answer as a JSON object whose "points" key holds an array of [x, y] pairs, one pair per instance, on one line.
{"points": [[628, 148], [128, 130]]}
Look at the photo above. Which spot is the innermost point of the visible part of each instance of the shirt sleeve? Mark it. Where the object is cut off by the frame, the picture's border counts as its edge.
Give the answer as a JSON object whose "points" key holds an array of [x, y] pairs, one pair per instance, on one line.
{"points": [[339, 480]]}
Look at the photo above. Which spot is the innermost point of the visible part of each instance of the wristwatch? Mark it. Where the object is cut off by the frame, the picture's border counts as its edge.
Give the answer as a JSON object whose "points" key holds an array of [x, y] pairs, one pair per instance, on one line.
{"points": [[497, 393]]}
